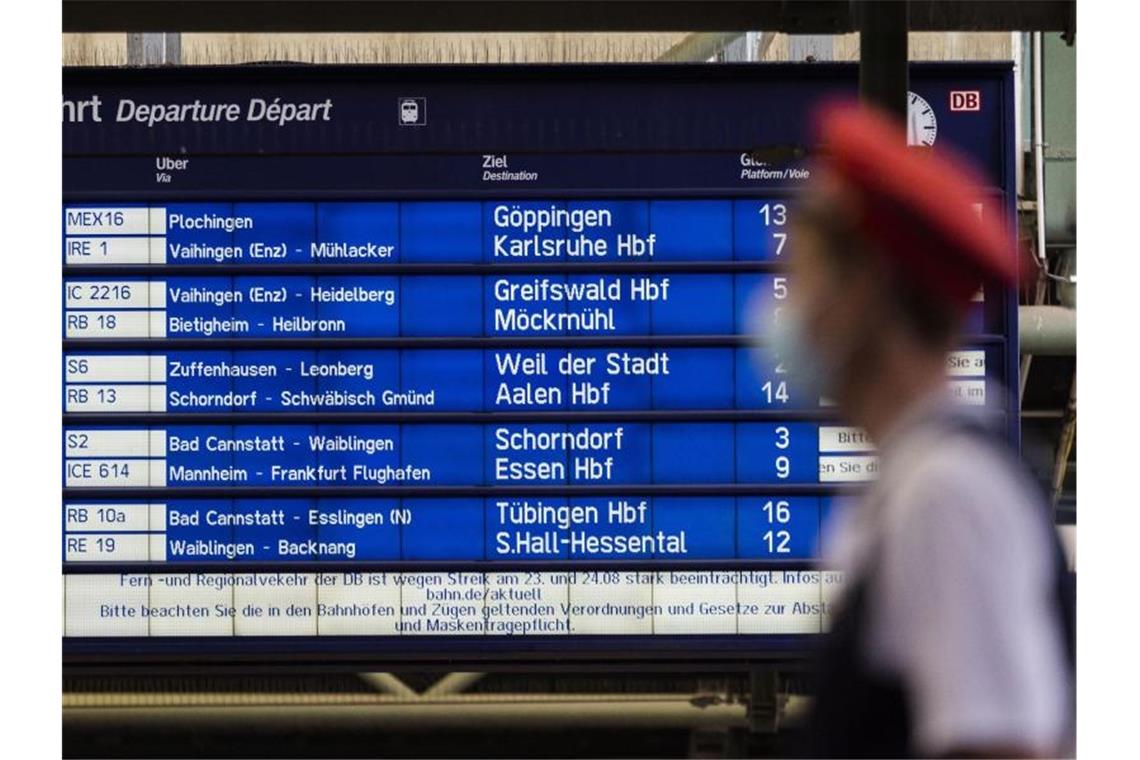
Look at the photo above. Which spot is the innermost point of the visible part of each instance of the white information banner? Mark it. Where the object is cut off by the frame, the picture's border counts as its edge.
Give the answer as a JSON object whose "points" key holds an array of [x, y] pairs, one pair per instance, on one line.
{"points": [[539, 603]]}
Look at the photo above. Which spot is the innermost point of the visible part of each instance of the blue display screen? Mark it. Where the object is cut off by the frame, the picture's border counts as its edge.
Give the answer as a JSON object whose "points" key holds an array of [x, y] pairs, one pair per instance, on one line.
{"points": [[452, 357], [506, 379], [487, 529]]}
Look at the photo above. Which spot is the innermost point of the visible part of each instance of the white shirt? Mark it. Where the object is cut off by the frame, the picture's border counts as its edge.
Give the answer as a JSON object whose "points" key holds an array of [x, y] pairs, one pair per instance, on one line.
{"points": [[964, 612]]}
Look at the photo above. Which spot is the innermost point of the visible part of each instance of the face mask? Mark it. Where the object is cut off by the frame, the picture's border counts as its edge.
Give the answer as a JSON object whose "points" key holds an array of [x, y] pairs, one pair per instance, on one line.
{"points": [[788, 342]]}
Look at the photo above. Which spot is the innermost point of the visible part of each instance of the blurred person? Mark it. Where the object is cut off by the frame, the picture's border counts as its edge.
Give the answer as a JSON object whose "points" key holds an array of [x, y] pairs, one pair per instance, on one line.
{"points": [[954, 634]]}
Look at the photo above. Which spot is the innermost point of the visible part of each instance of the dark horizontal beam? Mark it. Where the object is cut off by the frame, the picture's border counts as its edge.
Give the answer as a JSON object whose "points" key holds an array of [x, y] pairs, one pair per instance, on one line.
{"points": [[803, 16]]}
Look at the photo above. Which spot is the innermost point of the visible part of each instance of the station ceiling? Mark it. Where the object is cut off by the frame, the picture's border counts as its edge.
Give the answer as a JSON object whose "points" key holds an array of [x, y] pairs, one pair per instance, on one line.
{"points": [[803, 17]]}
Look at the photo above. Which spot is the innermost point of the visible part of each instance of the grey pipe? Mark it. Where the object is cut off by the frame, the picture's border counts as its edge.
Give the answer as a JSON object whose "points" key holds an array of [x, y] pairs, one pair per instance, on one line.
{"points": [[1048, 330]]}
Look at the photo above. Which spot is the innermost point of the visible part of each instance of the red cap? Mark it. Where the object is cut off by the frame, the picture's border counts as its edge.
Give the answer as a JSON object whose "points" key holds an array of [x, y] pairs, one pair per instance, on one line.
{"points": [[919, 205]]}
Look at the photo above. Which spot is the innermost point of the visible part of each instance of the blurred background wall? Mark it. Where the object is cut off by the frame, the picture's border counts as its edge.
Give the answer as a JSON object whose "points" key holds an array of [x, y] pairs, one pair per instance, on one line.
{"points": [[554, 47]]}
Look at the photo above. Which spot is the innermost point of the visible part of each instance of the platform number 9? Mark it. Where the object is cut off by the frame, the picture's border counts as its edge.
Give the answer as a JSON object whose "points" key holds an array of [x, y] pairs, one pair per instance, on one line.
{"points": [[783, 441]]}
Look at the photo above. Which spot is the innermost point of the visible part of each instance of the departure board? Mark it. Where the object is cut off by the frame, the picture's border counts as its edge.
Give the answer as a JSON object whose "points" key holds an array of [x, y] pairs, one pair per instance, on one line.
{"points": [[455, 362]]}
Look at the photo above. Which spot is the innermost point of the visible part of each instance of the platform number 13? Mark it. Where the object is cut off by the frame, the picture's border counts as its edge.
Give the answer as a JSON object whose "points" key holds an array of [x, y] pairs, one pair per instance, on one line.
{"points": [[776, 215]]}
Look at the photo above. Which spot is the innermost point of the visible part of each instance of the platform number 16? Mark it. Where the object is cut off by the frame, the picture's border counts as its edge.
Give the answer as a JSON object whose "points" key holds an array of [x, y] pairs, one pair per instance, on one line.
{"points": [[777, 513]]}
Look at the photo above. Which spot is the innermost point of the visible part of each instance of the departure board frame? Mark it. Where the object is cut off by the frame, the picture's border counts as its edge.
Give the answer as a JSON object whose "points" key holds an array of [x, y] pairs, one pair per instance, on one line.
{"points": [[581, 126]]}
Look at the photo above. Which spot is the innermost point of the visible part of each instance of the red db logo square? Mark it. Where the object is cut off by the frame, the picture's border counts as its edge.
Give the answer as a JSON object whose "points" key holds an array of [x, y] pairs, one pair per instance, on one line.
{"points": [[965, 100]]}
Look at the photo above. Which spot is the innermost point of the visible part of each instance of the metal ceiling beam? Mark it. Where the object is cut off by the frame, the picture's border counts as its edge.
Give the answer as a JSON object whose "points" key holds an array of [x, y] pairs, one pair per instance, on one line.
{"points": [[801, 17], [154, 48], [699, 46], [883, 59], [267, 711]]}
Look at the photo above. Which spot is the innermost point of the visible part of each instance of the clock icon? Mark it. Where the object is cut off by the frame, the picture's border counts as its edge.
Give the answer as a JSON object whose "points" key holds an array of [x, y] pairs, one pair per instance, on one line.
{"points": [[921, 123]]}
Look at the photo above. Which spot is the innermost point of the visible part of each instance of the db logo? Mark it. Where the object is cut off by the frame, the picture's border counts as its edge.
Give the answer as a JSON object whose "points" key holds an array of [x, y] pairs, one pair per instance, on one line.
{"points": [[965, 100]]}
